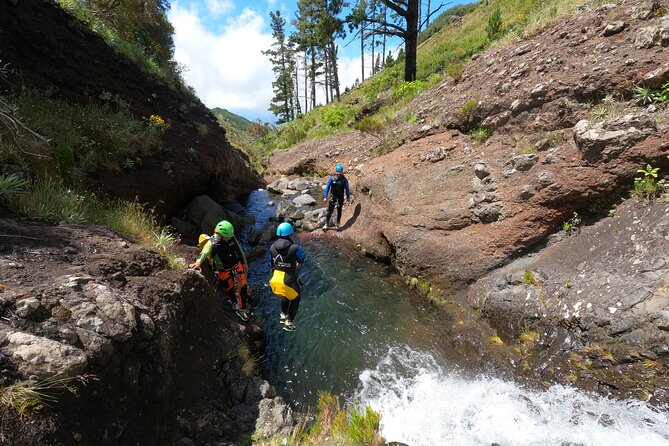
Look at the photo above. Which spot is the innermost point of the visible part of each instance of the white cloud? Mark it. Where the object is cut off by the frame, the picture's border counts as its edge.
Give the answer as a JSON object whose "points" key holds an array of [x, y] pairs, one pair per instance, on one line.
{"points": [[227, 69], [219, 7]]}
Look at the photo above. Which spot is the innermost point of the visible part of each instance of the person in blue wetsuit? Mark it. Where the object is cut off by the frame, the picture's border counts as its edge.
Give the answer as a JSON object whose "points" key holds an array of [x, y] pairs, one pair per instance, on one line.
{"points": [[285, 256], [335, 187]]}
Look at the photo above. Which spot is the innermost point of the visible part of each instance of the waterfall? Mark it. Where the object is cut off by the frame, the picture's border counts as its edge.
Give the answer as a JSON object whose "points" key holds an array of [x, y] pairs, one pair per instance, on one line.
{"points": [[423, 404]]}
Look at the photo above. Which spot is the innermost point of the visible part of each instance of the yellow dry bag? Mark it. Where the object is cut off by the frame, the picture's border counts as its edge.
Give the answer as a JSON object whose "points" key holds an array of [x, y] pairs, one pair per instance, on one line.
{"points": [[279, 287]]}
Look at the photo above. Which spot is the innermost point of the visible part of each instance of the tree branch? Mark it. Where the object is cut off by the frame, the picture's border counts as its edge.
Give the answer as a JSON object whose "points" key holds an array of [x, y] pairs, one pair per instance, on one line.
{"points": [[427, 19], [397, 7]]}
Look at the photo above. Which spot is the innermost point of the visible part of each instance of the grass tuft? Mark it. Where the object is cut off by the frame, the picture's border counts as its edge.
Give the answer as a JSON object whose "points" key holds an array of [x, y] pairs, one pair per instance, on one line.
{"points": [[26, 397], [52, 201], [250, 361]]}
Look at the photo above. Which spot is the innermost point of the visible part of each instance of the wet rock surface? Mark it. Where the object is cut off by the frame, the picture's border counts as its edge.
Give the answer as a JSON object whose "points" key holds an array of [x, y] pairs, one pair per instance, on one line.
{"points": [[605, 285]]}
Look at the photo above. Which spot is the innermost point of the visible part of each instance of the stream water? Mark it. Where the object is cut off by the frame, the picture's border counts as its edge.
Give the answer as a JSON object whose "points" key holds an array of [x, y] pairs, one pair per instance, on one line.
{"points": [[361, 334]]}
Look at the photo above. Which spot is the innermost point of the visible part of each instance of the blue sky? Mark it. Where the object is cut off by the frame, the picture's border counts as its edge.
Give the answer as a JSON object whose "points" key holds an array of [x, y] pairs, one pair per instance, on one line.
{"points": [[220, 44]]}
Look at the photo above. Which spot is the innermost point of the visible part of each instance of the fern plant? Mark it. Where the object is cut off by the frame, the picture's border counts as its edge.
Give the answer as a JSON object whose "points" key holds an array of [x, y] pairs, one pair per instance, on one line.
{"points": [[643, 95], [11, 185], [480, 134]]}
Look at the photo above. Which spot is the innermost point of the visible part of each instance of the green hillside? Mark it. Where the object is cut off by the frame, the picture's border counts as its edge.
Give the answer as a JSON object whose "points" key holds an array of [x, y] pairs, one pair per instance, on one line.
{"points": [[224, 115], [242, 133]]}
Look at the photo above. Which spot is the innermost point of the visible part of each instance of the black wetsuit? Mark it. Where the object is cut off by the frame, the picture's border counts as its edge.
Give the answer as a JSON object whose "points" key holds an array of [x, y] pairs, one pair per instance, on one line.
{"points": [[284, 256]]}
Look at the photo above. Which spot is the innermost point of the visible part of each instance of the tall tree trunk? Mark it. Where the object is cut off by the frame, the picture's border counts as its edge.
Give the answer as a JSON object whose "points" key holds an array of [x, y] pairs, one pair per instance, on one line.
{"points": [[296, 80], [427, 23], [385, 17], [362, 50], [411, 41], [284, 87], [326, 76], [306, 83], [373, 51], [313, 78], [335, 68]]}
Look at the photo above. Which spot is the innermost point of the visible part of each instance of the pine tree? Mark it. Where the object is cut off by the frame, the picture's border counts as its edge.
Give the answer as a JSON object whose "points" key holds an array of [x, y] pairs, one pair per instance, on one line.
{"points": [[405, 22], [318, 25], [305, 37], [283, 60], [389, 60]]}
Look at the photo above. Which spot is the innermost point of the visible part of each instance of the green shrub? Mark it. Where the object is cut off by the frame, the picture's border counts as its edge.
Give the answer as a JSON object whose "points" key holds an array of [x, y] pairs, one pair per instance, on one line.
{"points": [[363, 428], [599, 113], [643, 95], [370, 124], [91, 138], [494, 27], [663, 94], [455, 70], [387, 79], [22, 398], [530, 148], [25, 397], [480, 134], [334, 426], [167, 70], [572, 225], [411, 117], [407, 90], [52, 201], [468, 107], [11, 185], [334, 116], [528, 277], [648, 185]]}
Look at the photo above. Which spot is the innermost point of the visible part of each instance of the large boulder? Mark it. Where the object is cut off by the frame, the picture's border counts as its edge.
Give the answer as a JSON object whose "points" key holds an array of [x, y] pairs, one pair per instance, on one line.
{"points": [[40, 357], [206, 213]]}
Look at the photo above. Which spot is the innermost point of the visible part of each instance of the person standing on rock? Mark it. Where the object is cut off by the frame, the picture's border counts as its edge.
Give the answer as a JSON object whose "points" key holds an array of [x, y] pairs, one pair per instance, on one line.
{"points": [[335, 187], [229, 265], [285, 257]]}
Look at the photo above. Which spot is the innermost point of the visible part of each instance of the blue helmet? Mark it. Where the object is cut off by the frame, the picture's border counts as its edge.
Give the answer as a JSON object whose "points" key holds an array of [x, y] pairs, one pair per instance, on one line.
{"points": [[284, 230], [339, 168]]}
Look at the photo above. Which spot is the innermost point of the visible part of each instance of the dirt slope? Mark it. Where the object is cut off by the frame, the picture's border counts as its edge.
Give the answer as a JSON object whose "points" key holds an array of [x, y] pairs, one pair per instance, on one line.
{"points": [[49, 49]]}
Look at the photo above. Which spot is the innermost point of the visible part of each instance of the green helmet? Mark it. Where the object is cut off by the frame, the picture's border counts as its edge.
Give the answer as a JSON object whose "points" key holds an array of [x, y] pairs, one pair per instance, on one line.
{"points": [[224, 229]]}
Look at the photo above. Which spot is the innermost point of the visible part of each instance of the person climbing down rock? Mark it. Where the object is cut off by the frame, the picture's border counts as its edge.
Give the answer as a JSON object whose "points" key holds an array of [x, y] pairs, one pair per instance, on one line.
{"points": [[226, 257], [285, 257], [335, 187]]}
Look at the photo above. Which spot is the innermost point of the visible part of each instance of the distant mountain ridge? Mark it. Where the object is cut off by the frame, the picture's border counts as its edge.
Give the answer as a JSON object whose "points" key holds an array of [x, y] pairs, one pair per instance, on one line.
{"points": [[238, 121]]}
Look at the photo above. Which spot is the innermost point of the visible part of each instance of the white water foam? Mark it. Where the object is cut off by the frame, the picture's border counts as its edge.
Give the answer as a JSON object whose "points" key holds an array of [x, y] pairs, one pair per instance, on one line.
{"points": [[422, 405]]}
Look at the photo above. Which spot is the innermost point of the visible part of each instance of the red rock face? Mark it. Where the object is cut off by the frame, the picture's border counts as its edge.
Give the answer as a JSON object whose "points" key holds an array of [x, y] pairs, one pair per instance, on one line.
{"points": [[565, 136]]}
